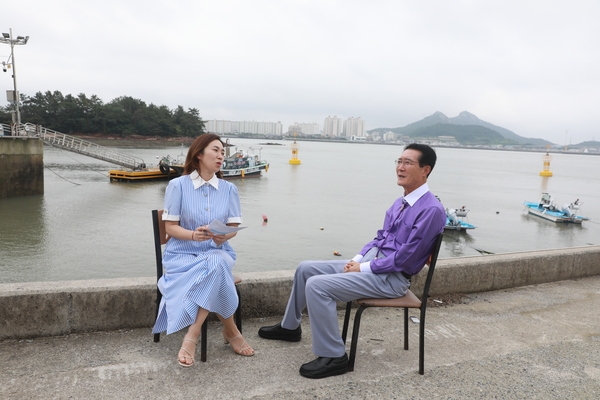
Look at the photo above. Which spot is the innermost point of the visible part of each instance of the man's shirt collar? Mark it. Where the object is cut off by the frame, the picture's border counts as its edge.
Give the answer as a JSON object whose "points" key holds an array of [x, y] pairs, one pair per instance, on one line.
{"points": [[416, 194]]}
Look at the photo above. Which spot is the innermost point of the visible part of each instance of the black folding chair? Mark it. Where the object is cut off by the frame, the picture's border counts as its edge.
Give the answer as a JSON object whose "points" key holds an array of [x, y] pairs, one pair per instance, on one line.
{"points": [[409, 300]]}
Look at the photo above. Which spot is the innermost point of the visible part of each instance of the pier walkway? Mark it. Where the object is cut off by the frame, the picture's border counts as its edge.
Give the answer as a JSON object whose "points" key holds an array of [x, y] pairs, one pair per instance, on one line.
{"points": [[77, 145], [533, 342]]}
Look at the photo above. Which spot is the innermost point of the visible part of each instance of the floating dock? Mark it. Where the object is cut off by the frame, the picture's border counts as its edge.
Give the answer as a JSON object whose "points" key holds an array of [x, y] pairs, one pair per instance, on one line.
{"points": [[151, 174]]}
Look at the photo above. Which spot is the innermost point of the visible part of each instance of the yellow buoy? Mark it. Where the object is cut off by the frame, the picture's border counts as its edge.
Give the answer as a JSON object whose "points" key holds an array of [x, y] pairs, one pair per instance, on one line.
{"points": [[294, 160], [546, 171]]}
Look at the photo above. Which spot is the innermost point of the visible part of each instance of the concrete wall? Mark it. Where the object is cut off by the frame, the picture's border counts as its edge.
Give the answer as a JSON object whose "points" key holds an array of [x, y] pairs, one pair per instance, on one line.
{"points": [[21, 166], [59, 308]]}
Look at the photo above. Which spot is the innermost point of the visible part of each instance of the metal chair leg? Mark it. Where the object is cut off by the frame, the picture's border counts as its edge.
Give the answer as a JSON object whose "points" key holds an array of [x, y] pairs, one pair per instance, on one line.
{"points": [[346, 321], [158, 298], [238, 311], [422, 341], [405, 328], [354, 343], [203, 340]]}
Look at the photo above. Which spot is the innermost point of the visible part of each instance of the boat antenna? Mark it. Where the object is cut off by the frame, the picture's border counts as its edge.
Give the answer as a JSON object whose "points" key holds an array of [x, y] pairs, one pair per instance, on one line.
{"points": [[227, 148]]}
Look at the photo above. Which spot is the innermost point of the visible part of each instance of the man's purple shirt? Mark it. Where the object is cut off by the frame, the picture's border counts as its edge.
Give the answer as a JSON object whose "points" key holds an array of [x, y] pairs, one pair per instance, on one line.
{"points": [[407, 237]]}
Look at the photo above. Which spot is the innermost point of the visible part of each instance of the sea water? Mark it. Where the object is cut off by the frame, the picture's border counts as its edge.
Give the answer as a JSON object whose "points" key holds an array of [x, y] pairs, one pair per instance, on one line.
{"points": [[86, 227]]}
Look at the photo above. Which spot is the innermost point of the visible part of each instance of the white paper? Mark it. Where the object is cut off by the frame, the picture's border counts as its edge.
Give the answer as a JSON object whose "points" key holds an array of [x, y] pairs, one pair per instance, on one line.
{"points": [[219, 228]]}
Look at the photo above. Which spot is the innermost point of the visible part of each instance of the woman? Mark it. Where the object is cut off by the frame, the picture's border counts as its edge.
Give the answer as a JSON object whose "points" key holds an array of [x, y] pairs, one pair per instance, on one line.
{"points": [[197, 264]]}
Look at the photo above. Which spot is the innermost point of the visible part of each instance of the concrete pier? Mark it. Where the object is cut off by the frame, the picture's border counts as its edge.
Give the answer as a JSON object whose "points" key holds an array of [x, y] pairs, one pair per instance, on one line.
{"points": [[512, 326], [21, 166], [30, 310]]}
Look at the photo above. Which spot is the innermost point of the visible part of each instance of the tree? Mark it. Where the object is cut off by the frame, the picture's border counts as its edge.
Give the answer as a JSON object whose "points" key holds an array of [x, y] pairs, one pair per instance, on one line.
{"points": [[188, 123], [122, 116]]}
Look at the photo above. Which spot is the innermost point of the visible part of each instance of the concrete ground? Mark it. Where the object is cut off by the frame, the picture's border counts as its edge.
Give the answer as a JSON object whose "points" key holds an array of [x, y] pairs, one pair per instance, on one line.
{"points": [[534, 342]]}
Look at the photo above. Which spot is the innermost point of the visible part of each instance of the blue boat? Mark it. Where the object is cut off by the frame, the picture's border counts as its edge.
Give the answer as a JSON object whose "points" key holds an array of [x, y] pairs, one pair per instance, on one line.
{"points": [[455, 219], [545, 208]]}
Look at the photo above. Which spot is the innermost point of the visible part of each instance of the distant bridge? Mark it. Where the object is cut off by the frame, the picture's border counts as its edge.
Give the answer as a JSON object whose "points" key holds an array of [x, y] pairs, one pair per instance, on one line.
{"points": [[74, 144]]}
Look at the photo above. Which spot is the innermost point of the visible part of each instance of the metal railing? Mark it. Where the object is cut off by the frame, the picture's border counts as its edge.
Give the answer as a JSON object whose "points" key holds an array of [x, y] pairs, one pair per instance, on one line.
{"points": [[80, 146], [5, 130]]}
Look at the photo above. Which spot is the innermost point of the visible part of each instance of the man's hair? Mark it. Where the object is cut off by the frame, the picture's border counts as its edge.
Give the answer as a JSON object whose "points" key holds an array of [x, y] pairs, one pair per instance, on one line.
{"points": [[428, 156]]}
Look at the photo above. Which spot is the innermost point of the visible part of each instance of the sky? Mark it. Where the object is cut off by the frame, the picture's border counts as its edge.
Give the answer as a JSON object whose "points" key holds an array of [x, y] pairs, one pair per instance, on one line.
{"points": [[532, 67]]}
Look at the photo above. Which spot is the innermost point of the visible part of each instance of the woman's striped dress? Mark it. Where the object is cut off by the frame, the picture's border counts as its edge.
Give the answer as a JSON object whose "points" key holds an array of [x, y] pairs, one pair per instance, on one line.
{"points": [[197, 274]]}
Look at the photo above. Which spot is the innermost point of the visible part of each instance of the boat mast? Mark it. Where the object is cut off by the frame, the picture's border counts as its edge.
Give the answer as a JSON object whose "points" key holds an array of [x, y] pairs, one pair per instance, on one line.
{"points": [[227, 145]]}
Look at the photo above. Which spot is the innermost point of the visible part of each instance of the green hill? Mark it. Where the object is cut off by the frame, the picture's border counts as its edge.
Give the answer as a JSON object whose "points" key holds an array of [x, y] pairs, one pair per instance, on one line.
{"points": [[462, 126], [472, 135], [589, 143]]}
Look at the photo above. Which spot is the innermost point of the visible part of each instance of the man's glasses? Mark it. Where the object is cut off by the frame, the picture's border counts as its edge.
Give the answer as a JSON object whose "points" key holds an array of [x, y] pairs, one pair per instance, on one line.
{"points": [[405, 162]]}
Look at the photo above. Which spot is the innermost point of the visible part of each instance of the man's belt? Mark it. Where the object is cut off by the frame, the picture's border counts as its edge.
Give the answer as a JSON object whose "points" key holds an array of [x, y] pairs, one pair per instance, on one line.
{"points": [[407, 276]]}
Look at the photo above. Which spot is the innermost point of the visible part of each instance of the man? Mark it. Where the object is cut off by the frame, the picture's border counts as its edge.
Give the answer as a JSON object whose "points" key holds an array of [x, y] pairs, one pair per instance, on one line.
{"points": [[382, 269]]}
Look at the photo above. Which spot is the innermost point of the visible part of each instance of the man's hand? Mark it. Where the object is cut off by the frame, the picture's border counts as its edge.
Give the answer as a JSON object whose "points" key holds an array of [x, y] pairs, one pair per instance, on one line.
{"points": [[352, 266]]}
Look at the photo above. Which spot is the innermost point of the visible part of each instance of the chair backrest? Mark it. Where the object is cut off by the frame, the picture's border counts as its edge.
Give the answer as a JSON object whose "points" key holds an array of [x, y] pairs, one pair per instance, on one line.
{"points": [[160, 238], [161, 226], [431, 261]]}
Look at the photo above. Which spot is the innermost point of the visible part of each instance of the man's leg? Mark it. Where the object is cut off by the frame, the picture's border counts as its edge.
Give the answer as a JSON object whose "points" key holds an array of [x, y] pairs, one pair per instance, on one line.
{"points": [[297, 302], [325, 291], [322, 294], [289, 328]]}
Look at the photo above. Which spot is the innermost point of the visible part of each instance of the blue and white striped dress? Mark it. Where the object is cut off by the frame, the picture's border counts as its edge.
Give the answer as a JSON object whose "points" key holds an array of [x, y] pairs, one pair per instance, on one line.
{"points": [[197, 274]]}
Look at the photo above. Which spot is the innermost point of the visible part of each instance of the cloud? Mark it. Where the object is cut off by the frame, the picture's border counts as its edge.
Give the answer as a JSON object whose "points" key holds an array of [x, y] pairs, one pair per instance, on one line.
{"points": [[531, 67]]}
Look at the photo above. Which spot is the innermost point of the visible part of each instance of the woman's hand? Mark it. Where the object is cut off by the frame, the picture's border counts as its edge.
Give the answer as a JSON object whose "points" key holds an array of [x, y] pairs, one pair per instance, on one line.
{"points": [[202, 233], [219, 239]]}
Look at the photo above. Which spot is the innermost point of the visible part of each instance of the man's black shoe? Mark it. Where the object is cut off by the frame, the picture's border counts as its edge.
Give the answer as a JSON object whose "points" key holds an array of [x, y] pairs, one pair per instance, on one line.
{"points": [[278, 333], [322, 367]]}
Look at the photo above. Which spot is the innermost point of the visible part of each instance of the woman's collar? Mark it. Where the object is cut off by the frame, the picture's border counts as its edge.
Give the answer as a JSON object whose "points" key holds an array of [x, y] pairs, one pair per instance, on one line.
{"points": [[198, 181]]}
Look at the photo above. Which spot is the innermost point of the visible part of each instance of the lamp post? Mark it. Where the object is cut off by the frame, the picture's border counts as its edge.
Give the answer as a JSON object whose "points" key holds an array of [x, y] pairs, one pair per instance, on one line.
{"points": [[20, 40]]}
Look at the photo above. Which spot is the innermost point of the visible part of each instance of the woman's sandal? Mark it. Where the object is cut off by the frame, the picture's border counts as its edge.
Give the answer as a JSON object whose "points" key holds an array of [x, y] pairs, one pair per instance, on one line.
{"points": [[190, 355], [242, 348]]}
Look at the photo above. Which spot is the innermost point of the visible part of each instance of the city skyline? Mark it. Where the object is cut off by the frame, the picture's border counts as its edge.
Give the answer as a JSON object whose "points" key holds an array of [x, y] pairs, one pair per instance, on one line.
{"points": [[530, 67], [350, 127]]}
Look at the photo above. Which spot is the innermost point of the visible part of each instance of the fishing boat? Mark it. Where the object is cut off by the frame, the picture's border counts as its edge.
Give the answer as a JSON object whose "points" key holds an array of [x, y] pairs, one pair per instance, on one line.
{"points": [[243, 164], [240, 164], [455, 219], [547, 209]]}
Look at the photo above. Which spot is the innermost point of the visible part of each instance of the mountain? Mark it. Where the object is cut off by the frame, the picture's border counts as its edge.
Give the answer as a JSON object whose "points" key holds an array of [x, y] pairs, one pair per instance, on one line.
{"points": [[589, 143], [466, 118], [474, 135], [428, 126]]}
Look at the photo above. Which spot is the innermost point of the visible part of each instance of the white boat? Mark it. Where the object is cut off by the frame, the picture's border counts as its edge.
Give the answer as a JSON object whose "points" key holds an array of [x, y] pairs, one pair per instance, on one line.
{"points": [[547, 209], [238, 165], [244, 165], [455, 219]]}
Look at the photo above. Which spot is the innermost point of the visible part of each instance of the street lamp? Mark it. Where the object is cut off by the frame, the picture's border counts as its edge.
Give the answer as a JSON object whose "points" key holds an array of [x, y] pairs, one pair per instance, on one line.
{"points": [[20, 40]]}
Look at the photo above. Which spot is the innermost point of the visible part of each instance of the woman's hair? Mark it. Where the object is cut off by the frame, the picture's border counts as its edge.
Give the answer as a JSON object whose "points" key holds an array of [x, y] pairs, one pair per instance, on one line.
{"points": [[191, 160]]}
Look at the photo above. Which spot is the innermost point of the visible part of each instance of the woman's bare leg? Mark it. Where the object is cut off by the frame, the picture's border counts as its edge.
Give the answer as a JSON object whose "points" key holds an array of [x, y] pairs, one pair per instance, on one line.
{"points": [[232, 335], [188, 349]]}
